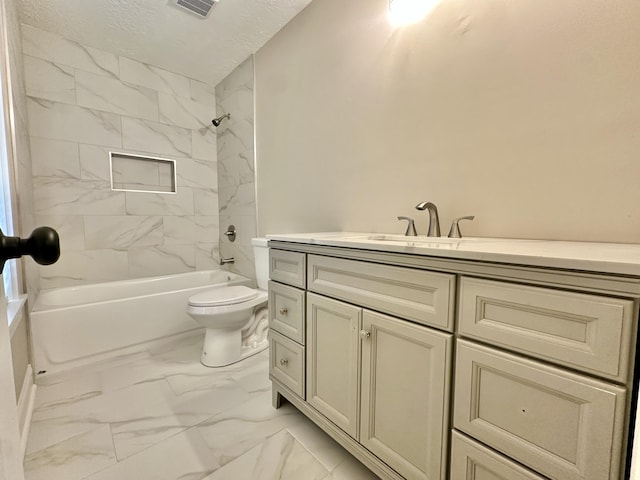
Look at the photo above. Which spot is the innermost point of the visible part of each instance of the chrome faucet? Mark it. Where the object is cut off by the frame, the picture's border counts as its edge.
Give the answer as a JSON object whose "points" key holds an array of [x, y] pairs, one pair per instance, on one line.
{"points": [[434, 221]]}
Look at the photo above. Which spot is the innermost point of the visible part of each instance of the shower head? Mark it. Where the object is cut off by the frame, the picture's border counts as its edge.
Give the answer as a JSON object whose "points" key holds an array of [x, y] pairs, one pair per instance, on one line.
{"points": [[217, 121]]}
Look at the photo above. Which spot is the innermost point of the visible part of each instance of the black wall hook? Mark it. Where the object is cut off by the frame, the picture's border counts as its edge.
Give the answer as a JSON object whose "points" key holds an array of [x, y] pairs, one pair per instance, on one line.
{"points": [[43, 245]]}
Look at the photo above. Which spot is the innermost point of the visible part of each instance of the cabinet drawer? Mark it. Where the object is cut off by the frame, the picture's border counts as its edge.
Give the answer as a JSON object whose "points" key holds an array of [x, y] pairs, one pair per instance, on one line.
{"points": [[418, 295], [473, 461], [286, 362], [560, 424], [286, 311], [287, 267], [587, 332]]}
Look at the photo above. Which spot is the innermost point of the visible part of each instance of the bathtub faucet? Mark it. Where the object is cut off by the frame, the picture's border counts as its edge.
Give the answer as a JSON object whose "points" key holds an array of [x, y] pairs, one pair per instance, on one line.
{"points": [[224, 261]]}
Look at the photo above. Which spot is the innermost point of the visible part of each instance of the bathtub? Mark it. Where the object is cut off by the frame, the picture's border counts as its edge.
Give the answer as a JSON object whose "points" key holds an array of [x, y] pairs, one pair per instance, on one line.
{"points": [[74, 326]]}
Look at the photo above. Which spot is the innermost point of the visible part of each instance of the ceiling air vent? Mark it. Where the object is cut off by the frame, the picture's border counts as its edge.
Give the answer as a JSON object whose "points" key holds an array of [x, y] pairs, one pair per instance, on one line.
{"points": [[199, 7]]}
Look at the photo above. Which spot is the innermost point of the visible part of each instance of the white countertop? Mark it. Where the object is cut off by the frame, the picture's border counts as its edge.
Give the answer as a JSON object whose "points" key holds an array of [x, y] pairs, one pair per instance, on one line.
{"points": [[615, 258]]}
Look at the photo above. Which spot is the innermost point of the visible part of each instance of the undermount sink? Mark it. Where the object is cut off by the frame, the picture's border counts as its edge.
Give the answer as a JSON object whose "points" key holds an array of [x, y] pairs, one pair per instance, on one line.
{"points": [[411, 239]]}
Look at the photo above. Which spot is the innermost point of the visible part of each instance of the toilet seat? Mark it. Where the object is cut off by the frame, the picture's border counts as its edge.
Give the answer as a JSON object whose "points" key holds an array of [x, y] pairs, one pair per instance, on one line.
{"points": [[229, 300], [218, 297]]}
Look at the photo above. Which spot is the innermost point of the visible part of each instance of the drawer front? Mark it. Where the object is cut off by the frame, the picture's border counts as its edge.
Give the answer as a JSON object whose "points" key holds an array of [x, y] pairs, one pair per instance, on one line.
{"points": [[473, 461], [560, 424], [287, 267], [286, 362], [587, 332], [286, 311], [418, 295]]}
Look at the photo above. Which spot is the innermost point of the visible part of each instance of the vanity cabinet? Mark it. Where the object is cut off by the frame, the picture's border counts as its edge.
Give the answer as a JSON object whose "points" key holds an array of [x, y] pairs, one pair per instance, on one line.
{"points": [[440, 369]]}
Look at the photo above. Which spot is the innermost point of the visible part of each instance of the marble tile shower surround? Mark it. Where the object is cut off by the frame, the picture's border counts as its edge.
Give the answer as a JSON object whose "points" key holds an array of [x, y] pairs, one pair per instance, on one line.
{"points": [[25, 220], [83, 103], [236, 166], [160, 414]]}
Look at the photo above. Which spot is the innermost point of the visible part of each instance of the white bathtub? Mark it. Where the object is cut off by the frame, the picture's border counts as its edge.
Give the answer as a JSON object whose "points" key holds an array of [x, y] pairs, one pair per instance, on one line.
{"points": [[73, 326]]}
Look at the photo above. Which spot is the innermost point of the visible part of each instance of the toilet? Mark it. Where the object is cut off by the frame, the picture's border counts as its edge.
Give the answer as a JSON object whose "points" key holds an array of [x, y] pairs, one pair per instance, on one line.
{"points": [[235, 317]]}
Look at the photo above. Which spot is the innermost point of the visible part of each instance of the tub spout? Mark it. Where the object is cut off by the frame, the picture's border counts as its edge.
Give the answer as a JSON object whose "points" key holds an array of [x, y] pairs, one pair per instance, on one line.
{"points": [[224, 261]]}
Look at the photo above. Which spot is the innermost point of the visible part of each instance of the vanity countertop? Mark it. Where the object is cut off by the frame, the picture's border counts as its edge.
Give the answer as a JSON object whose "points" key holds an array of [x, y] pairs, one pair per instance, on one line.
{"points": [[614, 258]]}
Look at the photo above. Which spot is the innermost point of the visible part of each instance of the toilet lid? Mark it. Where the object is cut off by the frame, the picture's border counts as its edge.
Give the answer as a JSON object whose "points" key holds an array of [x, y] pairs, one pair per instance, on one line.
{"points": [[223, 296]]}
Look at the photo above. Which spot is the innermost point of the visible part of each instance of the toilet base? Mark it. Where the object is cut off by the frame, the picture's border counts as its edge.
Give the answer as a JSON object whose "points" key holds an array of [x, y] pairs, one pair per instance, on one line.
{"points": [[223, 347]]}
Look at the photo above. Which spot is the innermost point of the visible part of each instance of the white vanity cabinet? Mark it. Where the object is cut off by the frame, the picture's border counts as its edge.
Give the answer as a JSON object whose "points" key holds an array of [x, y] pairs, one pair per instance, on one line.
{"points": [[433, 368]]}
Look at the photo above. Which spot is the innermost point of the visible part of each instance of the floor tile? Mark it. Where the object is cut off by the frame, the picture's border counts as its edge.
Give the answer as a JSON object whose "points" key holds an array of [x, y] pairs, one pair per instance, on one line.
{"points": [[328, 452], [351, 469], [74, 458], [184, 456], [236, 431], [52, 424], [161, 415], [173, 414], [280, 457]]}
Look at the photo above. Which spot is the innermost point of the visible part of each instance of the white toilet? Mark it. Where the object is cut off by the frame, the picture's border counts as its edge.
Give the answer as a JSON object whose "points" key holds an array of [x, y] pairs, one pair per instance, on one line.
{"points": [[235, 316]]}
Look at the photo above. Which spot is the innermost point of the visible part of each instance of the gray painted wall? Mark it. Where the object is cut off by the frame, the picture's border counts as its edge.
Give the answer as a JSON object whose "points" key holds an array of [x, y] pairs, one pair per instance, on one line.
{"points": [[525, 114]]}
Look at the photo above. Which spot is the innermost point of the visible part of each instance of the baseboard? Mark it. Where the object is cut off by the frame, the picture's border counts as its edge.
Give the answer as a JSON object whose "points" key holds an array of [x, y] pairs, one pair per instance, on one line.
{"points": [[25, 407]]}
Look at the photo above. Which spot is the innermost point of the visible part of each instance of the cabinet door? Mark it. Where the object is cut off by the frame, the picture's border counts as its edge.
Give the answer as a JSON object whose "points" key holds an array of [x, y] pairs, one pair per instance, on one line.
{"points": [[333, 350], [405, 395]]}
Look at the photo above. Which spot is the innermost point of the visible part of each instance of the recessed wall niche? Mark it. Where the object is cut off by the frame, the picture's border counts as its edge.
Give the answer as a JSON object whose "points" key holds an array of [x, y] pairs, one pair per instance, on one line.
{"points": [[139, 173]]}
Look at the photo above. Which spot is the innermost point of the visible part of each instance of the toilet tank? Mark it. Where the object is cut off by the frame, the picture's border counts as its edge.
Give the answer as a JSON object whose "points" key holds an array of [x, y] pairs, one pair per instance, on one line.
{"points": [[261, 258]]}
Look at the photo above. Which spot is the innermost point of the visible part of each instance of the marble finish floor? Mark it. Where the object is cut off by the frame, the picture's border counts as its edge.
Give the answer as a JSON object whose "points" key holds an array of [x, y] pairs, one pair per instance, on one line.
{"points": [[161, 415]]}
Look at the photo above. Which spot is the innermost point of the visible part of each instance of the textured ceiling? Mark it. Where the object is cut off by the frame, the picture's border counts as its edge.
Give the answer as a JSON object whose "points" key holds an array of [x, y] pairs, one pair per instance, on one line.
{"points": [[162, 34]]}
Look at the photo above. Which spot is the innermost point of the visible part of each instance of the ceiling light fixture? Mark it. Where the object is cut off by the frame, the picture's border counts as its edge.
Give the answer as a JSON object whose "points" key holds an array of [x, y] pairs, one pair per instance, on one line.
{"points": [[404, 12]]}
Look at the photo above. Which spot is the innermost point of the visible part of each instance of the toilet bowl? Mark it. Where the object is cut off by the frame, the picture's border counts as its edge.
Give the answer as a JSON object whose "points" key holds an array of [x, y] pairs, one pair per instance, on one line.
{"points": [[235, 317]]}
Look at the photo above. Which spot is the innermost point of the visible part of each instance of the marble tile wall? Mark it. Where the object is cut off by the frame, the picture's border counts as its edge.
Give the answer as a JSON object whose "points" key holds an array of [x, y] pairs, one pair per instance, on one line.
{"points": [[25, 220], [83, 103], [236, 166]]}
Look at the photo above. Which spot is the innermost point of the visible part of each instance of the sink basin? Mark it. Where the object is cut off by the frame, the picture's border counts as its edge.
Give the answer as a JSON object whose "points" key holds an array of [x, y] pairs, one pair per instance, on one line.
{"points": [[407, 239]]}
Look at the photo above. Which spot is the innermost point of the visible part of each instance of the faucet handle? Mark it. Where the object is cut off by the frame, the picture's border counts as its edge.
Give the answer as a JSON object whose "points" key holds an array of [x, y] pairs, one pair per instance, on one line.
{"points": [[454, 232], [411, 227]]}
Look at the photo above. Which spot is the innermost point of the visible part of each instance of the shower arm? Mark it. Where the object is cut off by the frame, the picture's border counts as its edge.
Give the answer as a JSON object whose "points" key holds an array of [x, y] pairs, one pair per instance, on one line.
{"points": [[217, 121]]}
